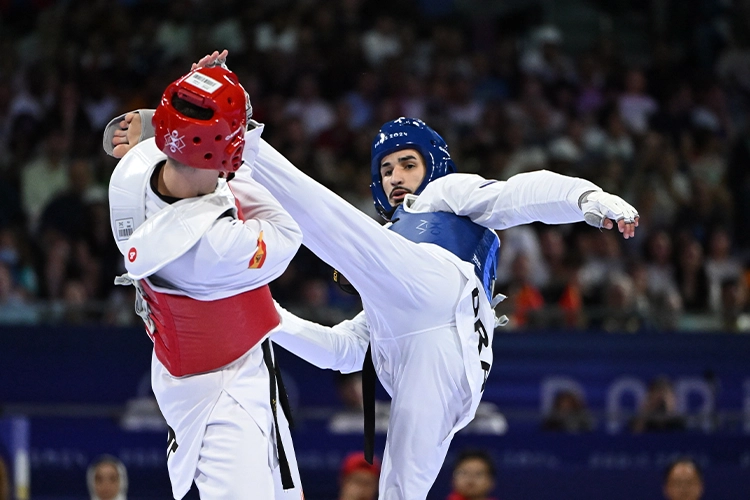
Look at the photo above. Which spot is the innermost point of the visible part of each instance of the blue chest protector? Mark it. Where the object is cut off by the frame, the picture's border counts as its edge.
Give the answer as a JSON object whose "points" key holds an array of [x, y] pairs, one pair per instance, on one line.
{"points": [[466, 240]]}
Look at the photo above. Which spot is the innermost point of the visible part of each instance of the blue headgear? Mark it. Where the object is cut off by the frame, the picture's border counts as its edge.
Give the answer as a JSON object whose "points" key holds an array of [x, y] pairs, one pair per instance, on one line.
{"points": [[408, 133]]}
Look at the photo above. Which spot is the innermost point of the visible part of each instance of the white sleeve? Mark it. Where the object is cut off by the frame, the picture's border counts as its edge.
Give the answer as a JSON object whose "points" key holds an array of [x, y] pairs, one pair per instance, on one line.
{"points": [[341, 347], [237, 255], [261, 210], [540, 196]]}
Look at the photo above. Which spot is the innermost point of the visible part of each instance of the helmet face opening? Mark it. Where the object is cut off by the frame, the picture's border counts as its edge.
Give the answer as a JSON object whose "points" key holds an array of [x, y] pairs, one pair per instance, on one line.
{"points": [[185, 103], [201, 120], [408, 133]]}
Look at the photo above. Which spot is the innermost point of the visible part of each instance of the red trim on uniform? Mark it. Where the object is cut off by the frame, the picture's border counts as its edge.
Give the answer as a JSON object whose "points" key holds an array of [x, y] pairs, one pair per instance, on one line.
{"points": [[195, 336]]}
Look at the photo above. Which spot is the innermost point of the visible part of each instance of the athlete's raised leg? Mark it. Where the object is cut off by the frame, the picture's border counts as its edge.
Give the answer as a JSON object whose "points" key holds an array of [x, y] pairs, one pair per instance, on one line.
{"points": [[389, 271]]}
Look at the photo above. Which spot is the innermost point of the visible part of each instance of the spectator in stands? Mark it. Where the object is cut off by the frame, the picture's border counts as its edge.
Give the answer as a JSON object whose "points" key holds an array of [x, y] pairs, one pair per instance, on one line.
{"points": [[382, 42], [4, 481], [705, 156], [545, 58], [66, 211], [525, 299], [617, 143], [658, 411], [14, 308], [671, 187], [708, 208], [315, 113], [562, 287], [473, 476], [358, 479], [620, 312], [107, 479], [45, 176], [683, 480], [721, 265], [350, 419], [661, 279], [522, 240], [602, 257], [487, 420], [636, 106], [15, 252], [568, 414], [735, 316], [692, 279]]}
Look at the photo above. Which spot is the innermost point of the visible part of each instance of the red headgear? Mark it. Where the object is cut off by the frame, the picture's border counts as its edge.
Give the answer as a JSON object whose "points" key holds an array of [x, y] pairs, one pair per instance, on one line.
{"points": [[213, 142]]}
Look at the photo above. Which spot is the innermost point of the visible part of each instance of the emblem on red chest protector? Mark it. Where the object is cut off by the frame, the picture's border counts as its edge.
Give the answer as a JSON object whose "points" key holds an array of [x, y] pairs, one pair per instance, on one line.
{"points": [[132, 254]]}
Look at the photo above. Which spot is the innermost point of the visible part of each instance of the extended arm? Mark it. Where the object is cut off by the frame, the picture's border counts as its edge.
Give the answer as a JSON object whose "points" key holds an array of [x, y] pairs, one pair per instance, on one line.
{"points": [[540, 196], [341, 347]]}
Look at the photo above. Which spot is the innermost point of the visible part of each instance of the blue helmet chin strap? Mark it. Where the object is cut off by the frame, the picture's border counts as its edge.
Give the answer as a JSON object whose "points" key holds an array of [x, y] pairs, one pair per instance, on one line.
{"points": [[408, 133]]}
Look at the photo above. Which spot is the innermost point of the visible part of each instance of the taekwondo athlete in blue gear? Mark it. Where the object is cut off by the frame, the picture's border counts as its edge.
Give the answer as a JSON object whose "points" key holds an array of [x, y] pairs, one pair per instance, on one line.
{"points": [[459, 235], [428, 320], [426, 309]]}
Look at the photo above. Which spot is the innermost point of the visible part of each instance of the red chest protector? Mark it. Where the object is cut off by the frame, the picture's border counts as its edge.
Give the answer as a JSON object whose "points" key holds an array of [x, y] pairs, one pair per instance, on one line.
{"points": [[194, 336]]}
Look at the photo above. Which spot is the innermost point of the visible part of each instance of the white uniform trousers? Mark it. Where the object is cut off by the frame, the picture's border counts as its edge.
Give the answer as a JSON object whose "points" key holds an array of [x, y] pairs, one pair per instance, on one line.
{"points": [[418, 303], [224, 432]]}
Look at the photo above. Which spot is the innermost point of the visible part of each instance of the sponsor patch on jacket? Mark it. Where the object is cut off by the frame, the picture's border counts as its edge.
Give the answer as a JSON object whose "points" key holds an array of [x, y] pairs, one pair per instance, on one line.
{"points": [[259, 257]]}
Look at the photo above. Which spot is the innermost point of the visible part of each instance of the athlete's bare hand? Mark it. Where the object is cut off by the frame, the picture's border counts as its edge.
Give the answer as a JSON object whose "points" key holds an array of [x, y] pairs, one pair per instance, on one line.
{"points": [[215, 59], [626, 228], [127, 136]]}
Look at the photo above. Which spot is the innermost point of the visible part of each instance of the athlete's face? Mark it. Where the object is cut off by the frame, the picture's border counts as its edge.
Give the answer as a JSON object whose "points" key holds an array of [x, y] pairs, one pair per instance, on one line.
{"points": [[402, 173]]}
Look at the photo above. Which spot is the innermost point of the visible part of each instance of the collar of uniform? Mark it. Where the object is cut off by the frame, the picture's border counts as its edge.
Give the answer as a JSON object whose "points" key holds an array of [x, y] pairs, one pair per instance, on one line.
{"points": [[409, 201], [252, 142]]}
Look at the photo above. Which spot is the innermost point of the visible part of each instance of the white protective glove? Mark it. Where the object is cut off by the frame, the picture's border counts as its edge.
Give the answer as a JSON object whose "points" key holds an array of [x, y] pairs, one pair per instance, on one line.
{"points": [[115, 128], [597, 206]]}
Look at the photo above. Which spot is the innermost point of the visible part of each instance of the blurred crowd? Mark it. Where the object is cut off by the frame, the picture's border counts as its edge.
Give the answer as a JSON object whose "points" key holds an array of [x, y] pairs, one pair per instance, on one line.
{"points": [[667, 129]]}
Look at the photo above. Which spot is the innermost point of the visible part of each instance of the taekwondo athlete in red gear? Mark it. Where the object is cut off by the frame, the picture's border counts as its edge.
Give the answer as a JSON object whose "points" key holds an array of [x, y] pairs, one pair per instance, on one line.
{"points": [[201, 251], [425, 288]]}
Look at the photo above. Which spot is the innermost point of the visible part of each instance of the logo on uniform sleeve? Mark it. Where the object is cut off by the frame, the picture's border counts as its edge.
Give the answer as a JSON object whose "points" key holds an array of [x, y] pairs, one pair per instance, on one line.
{"points": [[259, 257], [132, 254]]}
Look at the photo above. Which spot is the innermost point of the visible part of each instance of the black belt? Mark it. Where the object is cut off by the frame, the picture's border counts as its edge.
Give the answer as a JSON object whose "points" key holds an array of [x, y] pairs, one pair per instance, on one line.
{"points": [[368, 403], [274, 376]]}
